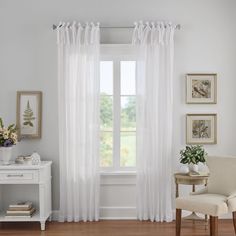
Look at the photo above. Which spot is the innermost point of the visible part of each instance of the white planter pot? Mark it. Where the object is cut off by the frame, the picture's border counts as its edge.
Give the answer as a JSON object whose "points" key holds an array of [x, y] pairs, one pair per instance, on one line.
{"points": [[184, 169], [5, 155], [193, 167]]}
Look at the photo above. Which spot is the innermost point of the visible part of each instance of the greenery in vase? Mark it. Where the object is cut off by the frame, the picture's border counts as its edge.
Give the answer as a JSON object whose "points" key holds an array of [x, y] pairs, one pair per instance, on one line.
{"points": [[193, 154], [8, 136]]}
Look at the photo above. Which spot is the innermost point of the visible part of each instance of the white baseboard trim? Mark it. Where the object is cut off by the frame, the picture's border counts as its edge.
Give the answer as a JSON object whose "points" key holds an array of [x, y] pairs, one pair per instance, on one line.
{"points": [[55, 215], [118, 213], [227, 216], [118, 218], [125, 213], [109, 213]]}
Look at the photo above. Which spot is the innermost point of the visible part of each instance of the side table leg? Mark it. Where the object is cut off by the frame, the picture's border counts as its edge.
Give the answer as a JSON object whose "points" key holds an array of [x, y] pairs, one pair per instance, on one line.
{"points": [[42, 223], [176, 190], [206, 216], [193, 188]]}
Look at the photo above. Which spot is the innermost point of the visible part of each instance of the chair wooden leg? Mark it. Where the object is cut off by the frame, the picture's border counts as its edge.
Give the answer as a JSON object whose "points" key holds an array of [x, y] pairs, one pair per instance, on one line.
{"points": [[206, 221], [178, 221], [214, 225], [234, 221]]}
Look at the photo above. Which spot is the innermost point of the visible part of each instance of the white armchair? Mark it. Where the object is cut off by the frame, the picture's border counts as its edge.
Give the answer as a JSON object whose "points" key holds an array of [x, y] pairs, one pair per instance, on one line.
{"points": [[217, 199]]}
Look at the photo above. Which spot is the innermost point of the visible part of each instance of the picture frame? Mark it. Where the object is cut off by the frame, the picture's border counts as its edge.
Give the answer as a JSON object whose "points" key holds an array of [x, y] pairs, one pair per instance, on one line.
{"points": [[201, 128], [29, 114], [201, 88]]}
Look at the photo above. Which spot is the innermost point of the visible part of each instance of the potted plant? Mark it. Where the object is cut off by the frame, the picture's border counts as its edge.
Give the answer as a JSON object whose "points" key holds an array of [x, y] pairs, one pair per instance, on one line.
{"points": [[192, 155], [8, 138]]}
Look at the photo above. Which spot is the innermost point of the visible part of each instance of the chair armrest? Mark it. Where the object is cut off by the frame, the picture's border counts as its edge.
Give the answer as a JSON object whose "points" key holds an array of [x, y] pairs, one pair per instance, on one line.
{"points": [[231, 202], [232, 195], [201, 191]]}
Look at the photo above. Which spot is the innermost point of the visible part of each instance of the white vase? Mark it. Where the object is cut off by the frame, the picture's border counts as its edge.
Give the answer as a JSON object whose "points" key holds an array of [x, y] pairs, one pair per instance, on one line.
{"points": [[202, 167], [184, 169], [193, 167], [5, 155]]}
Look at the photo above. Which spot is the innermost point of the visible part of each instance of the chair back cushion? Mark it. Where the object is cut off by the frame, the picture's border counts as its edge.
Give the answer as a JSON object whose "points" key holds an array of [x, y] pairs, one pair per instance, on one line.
{"points": [[222, 178]]}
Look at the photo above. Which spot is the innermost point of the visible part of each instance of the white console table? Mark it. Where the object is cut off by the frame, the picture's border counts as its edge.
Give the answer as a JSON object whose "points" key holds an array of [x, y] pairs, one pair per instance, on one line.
{"points": [[20, 182]]}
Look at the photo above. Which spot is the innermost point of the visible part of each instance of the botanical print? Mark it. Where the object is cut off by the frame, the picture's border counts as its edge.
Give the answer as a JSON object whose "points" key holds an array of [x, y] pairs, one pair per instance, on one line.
{"points": [[201, 129], [201, 88], [28, 118], [29, 114]]}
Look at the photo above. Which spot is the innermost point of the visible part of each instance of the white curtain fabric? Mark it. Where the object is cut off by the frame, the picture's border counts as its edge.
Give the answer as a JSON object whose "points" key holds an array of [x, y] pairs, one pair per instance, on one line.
{"points": [[155, 46], [78, 95]]}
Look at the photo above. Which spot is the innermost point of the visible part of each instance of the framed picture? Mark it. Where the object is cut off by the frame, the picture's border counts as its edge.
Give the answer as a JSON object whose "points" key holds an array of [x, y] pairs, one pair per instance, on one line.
{"points": [[29, 114], [201, 128], [201, 88]]}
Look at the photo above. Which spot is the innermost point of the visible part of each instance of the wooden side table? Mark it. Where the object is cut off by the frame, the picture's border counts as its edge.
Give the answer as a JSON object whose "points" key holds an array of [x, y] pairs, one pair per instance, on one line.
{"points": [[185, 179]]}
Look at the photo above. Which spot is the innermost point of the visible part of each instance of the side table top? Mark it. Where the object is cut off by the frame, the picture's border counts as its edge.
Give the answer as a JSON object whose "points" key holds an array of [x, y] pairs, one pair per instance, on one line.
{"points": [[188, 177], [14, 166]]}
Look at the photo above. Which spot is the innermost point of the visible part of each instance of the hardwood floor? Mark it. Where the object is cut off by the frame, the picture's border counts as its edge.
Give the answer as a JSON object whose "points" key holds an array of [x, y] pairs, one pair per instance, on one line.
{"points": [[113, 228]]}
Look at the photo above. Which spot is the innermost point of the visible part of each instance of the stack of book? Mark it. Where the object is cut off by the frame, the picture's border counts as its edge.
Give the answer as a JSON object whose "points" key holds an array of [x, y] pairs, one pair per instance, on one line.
{"points": [[21, 209]]}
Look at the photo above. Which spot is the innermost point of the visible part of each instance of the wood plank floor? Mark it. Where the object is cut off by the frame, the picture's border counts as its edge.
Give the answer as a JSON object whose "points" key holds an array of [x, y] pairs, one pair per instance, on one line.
{"points": [[112, 228]]}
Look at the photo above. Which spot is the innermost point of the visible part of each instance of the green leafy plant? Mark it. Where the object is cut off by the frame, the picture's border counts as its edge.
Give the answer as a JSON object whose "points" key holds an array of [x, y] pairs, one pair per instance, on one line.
{"points": [[193, 154]]}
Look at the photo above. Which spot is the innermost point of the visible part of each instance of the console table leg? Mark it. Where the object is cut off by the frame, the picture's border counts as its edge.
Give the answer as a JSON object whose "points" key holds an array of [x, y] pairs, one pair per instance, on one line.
{"points": [[42, 223]]}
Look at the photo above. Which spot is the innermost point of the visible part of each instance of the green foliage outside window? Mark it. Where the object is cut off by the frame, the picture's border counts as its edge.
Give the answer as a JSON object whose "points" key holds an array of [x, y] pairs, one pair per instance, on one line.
{"points": [[128, 138], [128, 114], [106, 112]]}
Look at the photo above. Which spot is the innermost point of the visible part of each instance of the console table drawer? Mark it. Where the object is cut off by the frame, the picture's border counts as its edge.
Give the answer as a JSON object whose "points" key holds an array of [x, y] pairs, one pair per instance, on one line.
{"points": [[19, 176]]}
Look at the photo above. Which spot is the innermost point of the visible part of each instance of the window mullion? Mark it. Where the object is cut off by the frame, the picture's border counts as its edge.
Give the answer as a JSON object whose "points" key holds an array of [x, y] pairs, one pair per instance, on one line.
{"points": [[116, 119]]}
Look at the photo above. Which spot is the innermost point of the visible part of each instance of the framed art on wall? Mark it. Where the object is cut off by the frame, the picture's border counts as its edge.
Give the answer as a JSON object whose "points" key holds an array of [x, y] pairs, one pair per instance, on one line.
{"points": [[29, 114], [201, 128], [201, 88]]}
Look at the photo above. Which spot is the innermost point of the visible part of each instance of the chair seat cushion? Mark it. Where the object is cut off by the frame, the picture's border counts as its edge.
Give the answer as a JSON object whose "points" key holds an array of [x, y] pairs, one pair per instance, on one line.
{"points": [[209, 204]]}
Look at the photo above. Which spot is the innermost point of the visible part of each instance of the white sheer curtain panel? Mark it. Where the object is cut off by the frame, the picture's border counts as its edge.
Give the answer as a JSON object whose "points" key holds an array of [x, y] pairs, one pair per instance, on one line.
{"points": [[154, 76], [78, 95]]}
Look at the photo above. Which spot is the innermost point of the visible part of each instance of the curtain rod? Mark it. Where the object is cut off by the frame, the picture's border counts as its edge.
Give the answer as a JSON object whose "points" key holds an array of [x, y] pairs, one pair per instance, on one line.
{"points": [[114, 27]]}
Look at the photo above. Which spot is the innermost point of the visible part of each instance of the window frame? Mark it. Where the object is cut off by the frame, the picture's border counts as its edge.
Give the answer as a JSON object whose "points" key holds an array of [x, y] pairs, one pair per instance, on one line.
{"points": [[117, 53]]}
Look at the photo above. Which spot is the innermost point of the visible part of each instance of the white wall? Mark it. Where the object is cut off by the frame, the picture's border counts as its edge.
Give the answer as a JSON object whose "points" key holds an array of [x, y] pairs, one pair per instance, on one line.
{"points": [[28, 61]]}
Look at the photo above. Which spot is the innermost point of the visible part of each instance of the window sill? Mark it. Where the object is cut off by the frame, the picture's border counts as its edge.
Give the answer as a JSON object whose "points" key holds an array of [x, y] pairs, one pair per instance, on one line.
{"points": [[118, 173]]}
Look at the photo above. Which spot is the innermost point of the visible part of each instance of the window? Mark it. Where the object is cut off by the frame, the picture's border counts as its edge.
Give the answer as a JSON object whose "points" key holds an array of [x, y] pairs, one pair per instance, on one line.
{"points": [[117, 110]]}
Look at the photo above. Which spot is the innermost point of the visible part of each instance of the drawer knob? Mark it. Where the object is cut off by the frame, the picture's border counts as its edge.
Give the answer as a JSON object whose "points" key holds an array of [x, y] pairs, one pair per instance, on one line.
{"points": [[15, 175]]}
